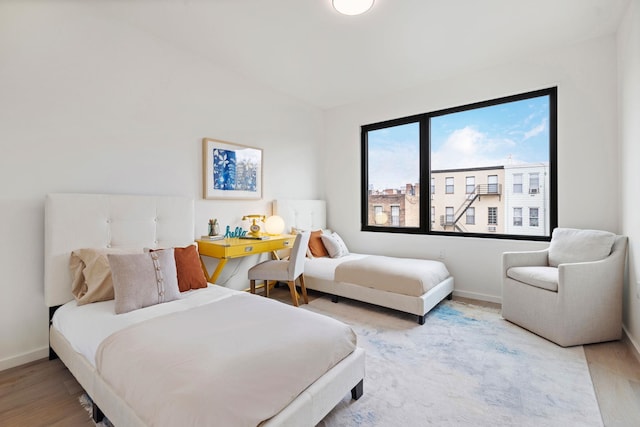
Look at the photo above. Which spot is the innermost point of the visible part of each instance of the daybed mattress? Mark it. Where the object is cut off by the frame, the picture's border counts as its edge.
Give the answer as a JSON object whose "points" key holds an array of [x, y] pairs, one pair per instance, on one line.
{"points": [[406, 276], [239, 378]]}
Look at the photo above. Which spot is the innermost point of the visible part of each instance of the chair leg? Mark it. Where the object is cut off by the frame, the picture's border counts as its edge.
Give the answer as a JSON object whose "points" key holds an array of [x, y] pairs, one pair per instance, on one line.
{"points": [[304, 289], [252, 286], [294, 294], [266, 288]]}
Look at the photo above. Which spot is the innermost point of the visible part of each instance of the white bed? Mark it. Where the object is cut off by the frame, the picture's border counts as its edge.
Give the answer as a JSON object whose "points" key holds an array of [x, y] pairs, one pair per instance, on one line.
{"points": [[432, 282], [125, 389]]}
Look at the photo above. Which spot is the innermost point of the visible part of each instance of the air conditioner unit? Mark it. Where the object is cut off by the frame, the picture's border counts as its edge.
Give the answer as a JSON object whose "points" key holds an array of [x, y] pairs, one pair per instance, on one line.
{"points": [[533, 190], [492, 229]]}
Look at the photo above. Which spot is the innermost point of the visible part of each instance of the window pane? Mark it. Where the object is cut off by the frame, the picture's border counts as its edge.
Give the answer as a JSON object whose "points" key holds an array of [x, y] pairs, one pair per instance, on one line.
{"points": [[393, 165], [500, 144]]}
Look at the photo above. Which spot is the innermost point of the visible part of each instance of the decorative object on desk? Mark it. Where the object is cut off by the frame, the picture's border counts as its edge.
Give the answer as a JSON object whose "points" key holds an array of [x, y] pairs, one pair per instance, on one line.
{"points": [[231, 171], [212, 238], [214, 227], [254, 228], [274, 225], [238, 232]]}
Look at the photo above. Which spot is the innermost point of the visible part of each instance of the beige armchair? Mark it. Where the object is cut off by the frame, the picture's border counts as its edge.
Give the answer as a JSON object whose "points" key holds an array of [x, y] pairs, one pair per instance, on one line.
{"points": [[570, 293]]}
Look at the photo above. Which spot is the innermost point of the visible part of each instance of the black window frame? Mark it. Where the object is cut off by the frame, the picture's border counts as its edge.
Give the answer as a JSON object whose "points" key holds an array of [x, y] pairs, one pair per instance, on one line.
{"points": [[423, 120]]}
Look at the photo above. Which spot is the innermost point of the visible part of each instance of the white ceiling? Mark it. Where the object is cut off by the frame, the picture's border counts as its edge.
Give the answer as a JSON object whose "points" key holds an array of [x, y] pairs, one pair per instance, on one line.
{"points": [[307, 50]]}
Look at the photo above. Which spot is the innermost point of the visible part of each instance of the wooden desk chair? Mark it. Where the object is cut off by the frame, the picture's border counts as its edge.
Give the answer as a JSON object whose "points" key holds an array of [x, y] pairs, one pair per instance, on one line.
{"points": [[284, 270]]}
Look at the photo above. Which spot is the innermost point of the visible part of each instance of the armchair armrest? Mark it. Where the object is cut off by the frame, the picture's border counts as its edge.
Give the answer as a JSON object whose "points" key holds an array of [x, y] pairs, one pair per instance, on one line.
{"points": [[525, 259]]}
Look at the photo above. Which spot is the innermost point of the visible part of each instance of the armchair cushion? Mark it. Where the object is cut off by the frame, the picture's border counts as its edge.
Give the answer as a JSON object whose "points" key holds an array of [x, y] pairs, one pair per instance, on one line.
{"points": [[541, 277], [573, 245]]}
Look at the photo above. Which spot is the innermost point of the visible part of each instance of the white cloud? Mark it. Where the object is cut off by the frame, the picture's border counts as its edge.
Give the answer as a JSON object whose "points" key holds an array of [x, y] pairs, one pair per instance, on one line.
{"points": [[536, 130], [467, 148]]}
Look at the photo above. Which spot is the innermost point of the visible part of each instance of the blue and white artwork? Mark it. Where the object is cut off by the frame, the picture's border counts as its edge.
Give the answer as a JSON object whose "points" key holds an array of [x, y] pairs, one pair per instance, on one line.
{"points": [[235, 170], [224, 169]]}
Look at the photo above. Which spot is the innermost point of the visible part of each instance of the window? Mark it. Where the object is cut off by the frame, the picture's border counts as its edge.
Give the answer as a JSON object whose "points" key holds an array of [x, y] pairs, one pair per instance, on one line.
{"points": [[533, 217], [498, 149], [471, 184], [492, 214], [395, 216], [471, 216], [492, 184], [534, 183], [517, 217], [448, 183], [448, 215]]}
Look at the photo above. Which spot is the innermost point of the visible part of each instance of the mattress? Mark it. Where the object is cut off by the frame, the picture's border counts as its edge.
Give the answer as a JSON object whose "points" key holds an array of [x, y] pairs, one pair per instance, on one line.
{"points": [[406, 276], [86, 326]]}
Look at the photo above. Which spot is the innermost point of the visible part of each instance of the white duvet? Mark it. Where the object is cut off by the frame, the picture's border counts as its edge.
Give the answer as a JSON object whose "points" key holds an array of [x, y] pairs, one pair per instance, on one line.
{"points": [[214, 357]]}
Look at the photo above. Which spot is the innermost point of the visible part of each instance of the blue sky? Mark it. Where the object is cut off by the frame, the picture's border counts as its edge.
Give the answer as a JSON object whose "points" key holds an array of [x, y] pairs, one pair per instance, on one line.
{"points": [[517, 132]]}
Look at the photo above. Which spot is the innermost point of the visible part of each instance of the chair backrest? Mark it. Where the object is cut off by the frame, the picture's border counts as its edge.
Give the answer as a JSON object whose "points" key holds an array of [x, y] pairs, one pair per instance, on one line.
{"points": [[298, 253]]}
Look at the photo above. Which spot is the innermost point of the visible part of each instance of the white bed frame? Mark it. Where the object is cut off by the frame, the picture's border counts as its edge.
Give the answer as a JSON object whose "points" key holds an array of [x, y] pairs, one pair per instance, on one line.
{"points": [[311, 215], [75, 221]]}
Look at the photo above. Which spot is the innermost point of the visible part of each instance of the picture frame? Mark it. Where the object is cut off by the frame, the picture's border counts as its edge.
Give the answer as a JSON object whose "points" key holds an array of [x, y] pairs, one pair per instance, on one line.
{"points": [[231, 171]]}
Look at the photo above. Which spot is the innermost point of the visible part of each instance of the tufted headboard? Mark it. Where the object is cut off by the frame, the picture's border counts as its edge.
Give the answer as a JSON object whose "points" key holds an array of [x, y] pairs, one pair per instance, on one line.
{"points": [[302, 214], [74, 221]]}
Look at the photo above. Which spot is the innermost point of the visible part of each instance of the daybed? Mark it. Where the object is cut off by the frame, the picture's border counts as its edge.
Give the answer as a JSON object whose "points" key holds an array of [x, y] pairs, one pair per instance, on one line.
{"points": [[413, 286], [213, 356]]}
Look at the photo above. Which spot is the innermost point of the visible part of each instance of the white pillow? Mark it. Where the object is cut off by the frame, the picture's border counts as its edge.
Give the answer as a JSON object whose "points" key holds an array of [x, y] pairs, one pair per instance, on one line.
{"points": [[335, 245], [572, 245]]}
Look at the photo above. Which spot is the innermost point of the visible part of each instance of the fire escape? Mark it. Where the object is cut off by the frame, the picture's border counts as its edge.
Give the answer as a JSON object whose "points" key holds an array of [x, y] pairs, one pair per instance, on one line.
{"points": [[478, 191]]}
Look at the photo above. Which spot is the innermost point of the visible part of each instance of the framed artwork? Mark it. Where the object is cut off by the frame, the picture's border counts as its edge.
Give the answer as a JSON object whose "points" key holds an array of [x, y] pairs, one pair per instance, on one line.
{"points": [[231, 171]]}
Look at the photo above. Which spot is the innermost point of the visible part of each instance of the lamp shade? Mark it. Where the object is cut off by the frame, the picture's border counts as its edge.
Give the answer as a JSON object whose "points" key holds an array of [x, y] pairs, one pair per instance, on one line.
{"points": [[274, 225], [352, 7]]}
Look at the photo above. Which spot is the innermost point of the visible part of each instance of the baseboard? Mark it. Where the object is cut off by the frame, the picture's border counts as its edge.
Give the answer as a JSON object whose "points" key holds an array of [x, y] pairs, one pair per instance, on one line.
{"points": [[477, 296], [21, 359], [633, 346]]}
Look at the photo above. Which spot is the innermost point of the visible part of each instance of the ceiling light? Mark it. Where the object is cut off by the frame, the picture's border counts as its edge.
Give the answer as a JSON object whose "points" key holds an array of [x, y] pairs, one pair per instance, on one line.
{"points": [[352, 7]]}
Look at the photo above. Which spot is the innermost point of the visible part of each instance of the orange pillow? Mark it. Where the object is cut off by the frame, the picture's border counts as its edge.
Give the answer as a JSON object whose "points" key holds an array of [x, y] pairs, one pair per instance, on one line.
{"points": [[190, 274], [316, 246]]}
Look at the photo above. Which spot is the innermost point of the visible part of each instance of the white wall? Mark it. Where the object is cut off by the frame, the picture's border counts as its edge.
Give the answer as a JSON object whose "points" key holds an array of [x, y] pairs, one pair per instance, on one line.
{"points": [[587, 155], [629, 90], [88, 104]]}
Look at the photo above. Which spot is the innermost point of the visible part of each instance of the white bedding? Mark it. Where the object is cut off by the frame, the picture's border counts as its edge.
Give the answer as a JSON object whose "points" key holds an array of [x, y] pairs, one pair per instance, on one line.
{"points": [[325, 267], [86, 326]]}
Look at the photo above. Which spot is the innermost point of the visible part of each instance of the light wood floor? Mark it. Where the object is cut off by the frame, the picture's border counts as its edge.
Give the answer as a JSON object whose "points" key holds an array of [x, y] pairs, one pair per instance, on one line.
{"points": [[44, 393]]}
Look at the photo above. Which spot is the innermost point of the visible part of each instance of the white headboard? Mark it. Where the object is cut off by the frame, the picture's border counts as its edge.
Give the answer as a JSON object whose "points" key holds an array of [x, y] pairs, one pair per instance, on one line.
{"points": [[302, 214], [74, 221]]}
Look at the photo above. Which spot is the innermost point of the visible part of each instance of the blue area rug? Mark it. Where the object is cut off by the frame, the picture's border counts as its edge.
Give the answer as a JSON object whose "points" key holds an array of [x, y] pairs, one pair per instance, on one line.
{"points": [[466, 366]]}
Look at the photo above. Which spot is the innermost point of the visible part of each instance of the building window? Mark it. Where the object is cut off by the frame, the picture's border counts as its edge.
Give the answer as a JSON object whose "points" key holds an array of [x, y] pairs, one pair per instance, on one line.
{"points": [[395, 216], [517, 183], [448, 182], [471, 216], [470, 184], [492, 187], [534, 183], [493, 216], [517, 217], [456, 145], [448, 217], [433, 214], [533, 217]]}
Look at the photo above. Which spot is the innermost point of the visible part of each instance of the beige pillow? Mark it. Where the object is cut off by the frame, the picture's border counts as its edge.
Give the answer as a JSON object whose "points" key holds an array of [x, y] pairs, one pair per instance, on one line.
{"points": [[141, 280], [570, 245], [91, 276]]}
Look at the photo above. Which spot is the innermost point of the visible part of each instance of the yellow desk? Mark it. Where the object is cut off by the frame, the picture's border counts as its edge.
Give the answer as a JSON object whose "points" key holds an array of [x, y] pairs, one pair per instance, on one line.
{"points": [[226, 249]]}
